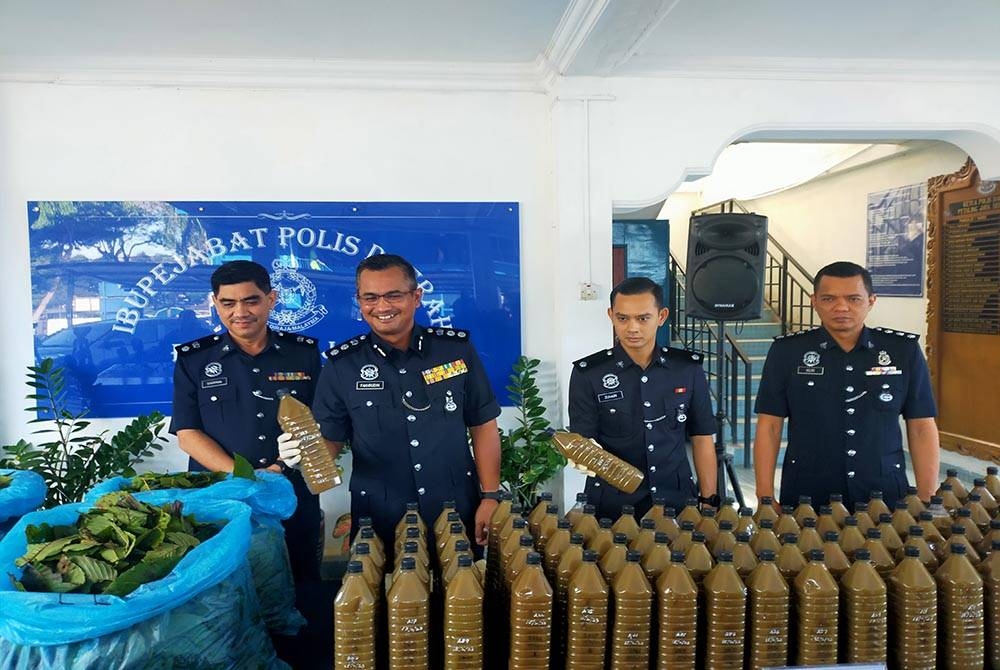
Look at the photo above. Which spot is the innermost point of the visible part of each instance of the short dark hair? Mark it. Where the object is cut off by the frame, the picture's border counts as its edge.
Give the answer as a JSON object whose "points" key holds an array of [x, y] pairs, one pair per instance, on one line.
{"points": [[381, 262], [845, 269], [237, 272], [637, 286]]}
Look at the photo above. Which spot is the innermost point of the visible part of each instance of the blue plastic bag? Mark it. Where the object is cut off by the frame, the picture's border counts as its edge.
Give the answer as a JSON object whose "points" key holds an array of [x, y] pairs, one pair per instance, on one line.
{"points": [[204, 614], [271, 498], [26, 493]]}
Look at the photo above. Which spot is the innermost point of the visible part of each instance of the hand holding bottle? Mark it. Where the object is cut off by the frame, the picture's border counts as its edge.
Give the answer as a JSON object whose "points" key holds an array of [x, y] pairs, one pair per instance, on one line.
{"points": [[289, 451]]}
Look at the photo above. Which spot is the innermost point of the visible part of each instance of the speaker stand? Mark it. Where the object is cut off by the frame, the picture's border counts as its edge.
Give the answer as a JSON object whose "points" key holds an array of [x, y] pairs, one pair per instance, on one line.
{"points": [[723, 460]]}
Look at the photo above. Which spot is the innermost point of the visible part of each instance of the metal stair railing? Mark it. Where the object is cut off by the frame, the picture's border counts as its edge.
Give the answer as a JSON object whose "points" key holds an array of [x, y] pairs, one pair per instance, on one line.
{"points": [[787, 289]]}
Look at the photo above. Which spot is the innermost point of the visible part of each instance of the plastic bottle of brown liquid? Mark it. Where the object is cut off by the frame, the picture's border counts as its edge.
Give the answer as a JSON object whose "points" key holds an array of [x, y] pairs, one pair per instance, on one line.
{"points": [[584, 451], [463, 618], [913, 613], [977, 512], [613, 560], [447, 534], [627, 524], [915, 538], [940, 517], [838, 509], [746, 523], [442, 522], [368, 536], [677, 616], [462, 548], [500, 515], [877, 506], [825, 522], [412, 549], [809, 537], [728, 513], [373, 575], [708, 526], [447, 553], [538, 512], [668, 523], [949, 498], [765, 538], [865, 521], [834, 557], [766, 510], [851, 538], [817, 605], [633, 605], [547, 528], [657, 510], [656, 559], [890, 538], [863, 605], [698, 558], [880, 557], [960, 612], [790, 560], [412, 508], [914, 505], [587, 525], [647, 535], [786, 524], [744, 560], [986, 499], [319, 469], [958, 536], [768, 615], [683, 539], [724, 540], [902, 519], [726, 602], [510, 545], [555, 547], [989, 568], [803, 510], [409, 623], [932, 536], [986, 545], [993, 481], [518, 561], [568, 564], [354, 621], [604, 538], [963, 517], [576, 511], [957, 487], [587, 614], [530, 617], [691, 512]]}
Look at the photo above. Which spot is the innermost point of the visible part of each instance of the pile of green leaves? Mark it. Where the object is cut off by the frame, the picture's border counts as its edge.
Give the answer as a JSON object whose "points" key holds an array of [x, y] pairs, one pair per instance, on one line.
{"points": [[5, 481], [154, 481], [116, 547]]}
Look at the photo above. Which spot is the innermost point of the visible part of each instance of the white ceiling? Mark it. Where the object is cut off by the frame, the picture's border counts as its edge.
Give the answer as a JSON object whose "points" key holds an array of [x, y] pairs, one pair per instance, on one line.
{"points": [[569, 37]]}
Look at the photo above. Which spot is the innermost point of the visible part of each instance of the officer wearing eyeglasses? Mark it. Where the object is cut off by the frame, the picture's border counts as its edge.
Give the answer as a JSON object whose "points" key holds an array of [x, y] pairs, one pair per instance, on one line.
{"points": [[406, 397]]}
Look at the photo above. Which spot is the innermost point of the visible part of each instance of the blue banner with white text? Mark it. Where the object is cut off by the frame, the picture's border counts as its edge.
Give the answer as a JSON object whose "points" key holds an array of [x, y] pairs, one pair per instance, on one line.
{"points": [[117, 284]]}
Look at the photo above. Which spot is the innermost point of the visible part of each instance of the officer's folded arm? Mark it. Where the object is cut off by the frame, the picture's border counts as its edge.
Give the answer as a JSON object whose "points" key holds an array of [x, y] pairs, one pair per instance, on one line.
{"points": [[203, 449]]}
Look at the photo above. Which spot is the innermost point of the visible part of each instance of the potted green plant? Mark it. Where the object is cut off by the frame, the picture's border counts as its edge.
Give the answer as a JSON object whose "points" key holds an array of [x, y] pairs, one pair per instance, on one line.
{"points": [[71, 460], [526, 458]]}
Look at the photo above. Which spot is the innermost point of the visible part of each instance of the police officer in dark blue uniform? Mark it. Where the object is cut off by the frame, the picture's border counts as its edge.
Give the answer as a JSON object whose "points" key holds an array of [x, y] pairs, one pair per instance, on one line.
{"points": [[642, 403], [225, 398], [843, 387], [406, 397]]}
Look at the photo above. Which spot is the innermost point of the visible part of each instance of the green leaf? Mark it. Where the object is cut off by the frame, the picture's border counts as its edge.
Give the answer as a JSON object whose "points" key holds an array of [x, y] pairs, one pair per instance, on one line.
{"points": [[242, 468], [95, 570], [153, 566]]}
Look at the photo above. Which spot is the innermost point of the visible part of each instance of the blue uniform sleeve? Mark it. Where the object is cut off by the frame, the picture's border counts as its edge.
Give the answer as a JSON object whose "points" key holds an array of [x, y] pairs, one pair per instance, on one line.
{"points": [[329, 407], [919, 402], [772, 394], [583, 411], [702, 419], [480, 403], [185, 413]]}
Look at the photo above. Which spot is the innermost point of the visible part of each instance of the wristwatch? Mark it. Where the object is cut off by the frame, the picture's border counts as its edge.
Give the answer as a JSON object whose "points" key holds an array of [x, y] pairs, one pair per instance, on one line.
{"points": [[712, 500], [490, 495]]}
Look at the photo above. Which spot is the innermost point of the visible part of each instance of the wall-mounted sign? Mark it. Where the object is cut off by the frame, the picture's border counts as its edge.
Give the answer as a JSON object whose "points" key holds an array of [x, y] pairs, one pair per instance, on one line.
{"points": [[897, 219], [116, 284]]}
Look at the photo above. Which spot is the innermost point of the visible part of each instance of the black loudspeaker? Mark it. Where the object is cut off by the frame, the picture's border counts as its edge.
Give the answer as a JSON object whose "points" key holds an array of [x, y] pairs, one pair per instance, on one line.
{"points": [[725, 266]]}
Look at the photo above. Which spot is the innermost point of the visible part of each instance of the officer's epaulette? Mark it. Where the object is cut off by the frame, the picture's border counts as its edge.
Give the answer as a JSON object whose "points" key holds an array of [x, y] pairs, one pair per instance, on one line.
{"points": [[294, 338], [338, 350], [897, 333], [594, 358], [447, 333], [683, 354], [797, 332], [200, 344]]}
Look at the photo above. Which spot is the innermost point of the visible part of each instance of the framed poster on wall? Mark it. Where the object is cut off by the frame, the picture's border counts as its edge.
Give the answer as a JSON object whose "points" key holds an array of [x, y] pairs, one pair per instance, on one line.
{"points": [[897, 223], [117, 284]]}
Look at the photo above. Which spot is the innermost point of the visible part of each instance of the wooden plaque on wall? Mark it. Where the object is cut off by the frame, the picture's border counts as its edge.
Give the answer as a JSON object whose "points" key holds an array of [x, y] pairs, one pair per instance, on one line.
{"points": [[963, 310]]}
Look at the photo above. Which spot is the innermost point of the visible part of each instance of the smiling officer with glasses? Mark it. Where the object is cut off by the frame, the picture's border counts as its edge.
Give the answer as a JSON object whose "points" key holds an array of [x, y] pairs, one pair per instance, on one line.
{"points": [[406, 397]]}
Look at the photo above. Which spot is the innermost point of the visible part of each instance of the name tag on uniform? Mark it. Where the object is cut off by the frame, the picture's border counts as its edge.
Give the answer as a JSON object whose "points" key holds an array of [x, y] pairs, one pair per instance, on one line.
{"points": [[369, 386], [446, 371], [608, 397], [212, 383], [806, 370]]}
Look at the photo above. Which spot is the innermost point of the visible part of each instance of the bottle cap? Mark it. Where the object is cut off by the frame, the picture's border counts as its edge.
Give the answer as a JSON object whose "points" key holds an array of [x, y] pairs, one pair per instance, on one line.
{"points": [[884, 518], [805, 500], [576, 538], [766, 555], [725, 524], [746, 511], [648, 524], [676, 556], [958, 530], [670, 512], [448, 504], [589, 556], [743, 537], [367, 532], [545, 495], [354, 567], [589, 509], [581, 498], [465, 560], [410, 547], [901, 504], [456, 528], [937, 500], [526, 541], [831, 536], [766, 500], [408, 563], [925, 516], [708, 513], [862, 555], [911, 490], [534, 558], [725, 557], [874, 534], [851, 521], [516, 509], [519, 523], [860, 507], [809, 522], [911, 551], [766, 523], [691, 502], [951, 472], [836, 497], [875, 495], [958, 548], [698, 536], [282, 392], [563, 524], [788, 510], [552, 509], [605, 522], [412, 506], [462, 545], [789, 538], [975, 497], [633, 556], [687, 525], [979, 481], [661, 538], [992, 470], [964, 512], [364, 521], [816, 555], [620, 538], [994, 524], [916, 531], [728, 501], [412, 531], [995, 545], [825, 510], [453, 516], [362, 549], [628, 510], [945, 486], [659, 500]]}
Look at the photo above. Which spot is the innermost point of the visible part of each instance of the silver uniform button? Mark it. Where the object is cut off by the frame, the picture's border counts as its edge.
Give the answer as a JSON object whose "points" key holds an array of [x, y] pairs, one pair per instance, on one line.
{"points": [[652, 489], [262, 461], [849, 368], [647, 404], [214, 398], [262, 437], [368, 403], [612, 410], [260, 415], [644, 379], [409, 394], [649, 426], [411, 418], [810, 383], [402, 371], [414, 443], [596, 484], [363, 492], [295, 392], [851, 452], [850, 410], [849, 389], [652, 468], [851, 474], [851, 431], [421, 490], [417, 467], [649, 448], [256, 370]]}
